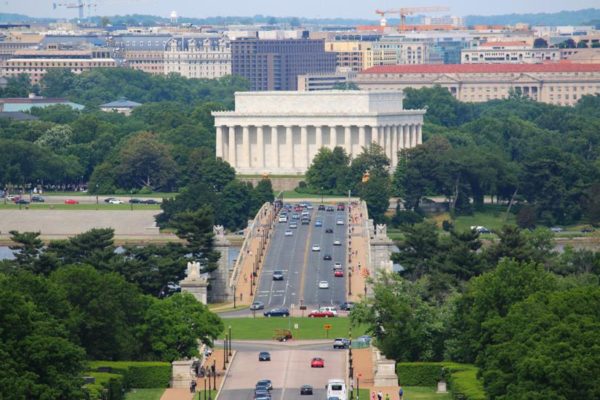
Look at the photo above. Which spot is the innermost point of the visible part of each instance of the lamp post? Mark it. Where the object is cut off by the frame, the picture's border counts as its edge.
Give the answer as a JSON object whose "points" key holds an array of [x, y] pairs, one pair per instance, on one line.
{"points": [[225, 353], [321, 195], [350, 282], [358, 386], [351, 368], [233, 296], [229, 347], [214, 374]]}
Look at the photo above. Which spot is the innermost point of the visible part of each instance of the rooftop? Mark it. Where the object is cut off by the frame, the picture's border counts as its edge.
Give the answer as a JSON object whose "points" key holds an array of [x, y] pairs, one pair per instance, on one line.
{"points": [[481, 68], [121, 103], [505, 44]]}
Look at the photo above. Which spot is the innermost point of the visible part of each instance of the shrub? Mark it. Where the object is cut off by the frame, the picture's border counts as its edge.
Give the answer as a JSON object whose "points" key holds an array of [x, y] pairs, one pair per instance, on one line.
{"points": [[464, 383], [139, 375], [108, 386], [419, 373]]}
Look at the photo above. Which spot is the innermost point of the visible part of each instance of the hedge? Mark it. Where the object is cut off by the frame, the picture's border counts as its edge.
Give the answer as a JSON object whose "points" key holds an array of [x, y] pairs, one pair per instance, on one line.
{"points": [[138, 374], [108, 386], [461, 378]]}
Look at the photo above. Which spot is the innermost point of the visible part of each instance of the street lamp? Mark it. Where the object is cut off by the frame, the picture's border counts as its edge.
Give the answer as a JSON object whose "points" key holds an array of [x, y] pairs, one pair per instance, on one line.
{"points": [[233, 296], [225, 353], [229, 347], [350, 282], [358, 386]]}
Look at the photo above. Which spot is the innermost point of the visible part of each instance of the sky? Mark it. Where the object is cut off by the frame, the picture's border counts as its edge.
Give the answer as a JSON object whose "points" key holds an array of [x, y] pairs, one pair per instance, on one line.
{"points": [[281, 8]]}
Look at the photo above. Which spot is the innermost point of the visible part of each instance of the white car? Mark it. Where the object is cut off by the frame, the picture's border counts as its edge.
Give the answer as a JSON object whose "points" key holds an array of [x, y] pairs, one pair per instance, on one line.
{"points": [[337, 243], [323, 285], [289, 233], [293, 225], [316, 247], [339, 222], [337, 265], [329, 308], [116, 201]]}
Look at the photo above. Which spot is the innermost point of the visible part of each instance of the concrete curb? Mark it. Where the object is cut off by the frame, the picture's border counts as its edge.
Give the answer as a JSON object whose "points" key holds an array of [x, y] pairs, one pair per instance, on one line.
{"points": [[234, 352]]}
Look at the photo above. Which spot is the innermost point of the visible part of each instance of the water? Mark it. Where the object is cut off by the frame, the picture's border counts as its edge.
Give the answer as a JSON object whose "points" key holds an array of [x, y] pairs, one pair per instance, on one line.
{"points": [[6, 253]]}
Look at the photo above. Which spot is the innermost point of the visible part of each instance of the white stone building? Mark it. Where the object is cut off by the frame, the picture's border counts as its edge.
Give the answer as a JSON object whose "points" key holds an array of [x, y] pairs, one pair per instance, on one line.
{"points": [[198, 57], [281, 132]]}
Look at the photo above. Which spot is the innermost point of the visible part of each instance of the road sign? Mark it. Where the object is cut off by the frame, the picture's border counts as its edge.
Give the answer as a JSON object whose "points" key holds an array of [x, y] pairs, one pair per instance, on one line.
{"points": [[327, 327]]}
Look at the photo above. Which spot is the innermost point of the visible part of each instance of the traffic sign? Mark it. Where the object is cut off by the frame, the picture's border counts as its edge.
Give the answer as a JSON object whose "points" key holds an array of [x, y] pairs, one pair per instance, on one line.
{"points": [[327, 327]]}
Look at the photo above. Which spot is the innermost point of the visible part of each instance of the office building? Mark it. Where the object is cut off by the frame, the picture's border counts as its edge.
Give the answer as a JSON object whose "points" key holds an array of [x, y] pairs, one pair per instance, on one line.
{"points": [[198, 57]]}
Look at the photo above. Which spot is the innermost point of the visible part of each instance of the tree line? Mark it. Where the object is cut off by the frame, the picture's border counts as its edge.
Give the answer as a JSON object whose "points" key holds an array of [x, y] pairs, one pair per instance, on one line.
{"points": [[542, 157], [526, 315]]}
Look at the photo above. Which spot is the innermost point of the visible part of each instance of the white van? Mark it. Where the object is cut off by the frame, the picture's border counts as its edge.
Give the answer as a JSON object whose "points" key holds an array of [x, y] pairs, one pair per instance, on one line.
{"points": [[336, 389]]}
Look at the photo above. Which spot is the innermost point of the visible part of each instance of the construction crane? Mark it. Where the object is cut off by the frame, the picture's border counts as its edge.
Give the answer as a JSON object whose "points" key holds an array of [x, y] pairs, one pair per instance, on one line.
{"points": [[80, 5], [403, 12]]}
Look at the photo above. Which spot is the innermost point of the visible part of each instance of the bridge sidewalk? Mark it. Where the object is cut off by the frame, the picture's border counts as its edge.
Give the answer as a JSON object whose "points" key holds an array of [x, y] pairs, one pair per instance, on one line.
{"points": [[364, 369], [357, 252]]}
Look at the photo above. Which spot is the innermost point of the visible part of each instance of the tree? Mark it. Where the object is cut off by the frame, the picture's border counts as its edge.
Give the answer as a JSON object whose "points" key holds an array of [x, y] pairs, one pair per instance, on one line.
{"points": [[27, 248], [567, 44], [407, 328], [541, 349], [263, 193], [174, 326], [144, 162], [56, 138], [234, 205], [328, 170], [107, 311], [540, 43], [376, 192], [203, 167], [371, 160], [39, 361], [94, 247], [582, 44], [196, 227], [591, 204]]}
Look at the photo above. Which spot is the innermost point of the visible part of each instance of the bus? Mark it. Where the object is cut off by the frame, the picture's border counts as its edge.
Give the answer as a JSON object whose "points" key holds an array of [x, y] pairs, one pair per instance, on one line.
{"points": [[336, 390]]}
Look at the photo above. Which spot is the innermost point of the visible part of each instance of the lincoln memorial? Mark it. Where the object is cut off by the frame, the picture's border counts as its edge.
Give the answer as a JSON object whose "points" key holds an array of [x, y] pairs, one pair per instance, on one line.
{"points": [[280, 132]]}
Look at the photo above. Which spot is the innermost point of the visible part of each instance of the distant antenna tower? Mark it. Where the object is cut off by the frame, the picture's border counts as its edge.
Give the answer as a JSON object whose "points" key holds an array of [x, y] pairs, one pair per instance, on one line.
{"points": [[173, 17]]}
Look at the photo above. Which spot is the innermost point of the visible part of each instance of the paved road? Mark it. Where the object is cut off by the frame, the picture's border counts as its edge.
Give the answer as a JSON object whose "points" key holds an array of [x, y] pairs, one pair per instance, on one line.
{"points": [[289, 369], [302, 267]]}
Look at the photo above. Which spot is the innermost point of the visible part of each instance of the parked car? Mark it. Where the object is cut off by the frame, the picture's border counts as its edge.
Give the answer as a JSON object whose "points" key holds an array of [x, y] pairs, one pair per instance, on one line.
{"points": [[36, 198], [277, 312], [136, 201], [257, 305], [150, 201], [347, 305], [321, 314], [329, 308], [321, 207], [556, 229], [264, 356], [330, 209], [341, 343], [266, 383], [306, 390], [71, 201], [317, 362], [22, 201]]}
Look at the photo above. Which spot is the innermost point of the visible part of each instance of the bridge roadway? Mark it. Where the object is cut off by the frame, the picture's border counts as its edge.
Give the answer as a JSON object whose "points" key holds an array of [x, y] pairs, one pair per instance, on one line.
{"points": [[302, 267]]}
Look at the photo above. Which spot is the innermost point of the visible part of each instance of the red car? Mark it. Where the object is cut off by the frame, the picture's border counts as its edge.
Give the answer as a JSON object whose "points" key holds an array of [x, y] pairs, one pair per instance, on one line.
{"points": [[321, 314], [317, 363], [338, 273], [71, 201]]}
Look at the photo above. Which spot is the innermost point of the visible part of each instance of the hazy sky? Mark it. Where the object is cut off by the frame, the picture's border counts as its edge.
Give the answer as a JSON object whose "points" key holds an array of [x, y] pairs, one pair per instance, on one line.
{"points": [[302, 8]]}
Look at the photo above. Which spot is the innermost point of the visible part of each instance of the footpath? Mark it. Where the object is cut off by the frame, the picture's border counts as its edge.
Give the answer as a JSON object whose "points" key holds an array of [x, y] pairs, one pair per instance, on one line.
{"points": [[358, 257], [364, 369]]}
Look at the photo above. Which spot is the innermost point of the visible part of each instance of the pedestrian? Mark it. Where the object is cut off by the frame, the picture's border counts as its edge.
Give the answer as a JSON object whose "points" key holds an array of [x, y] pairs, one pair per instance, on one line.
{"points": [[401, 393], [387, 396], [379, 395], [373, 396]]}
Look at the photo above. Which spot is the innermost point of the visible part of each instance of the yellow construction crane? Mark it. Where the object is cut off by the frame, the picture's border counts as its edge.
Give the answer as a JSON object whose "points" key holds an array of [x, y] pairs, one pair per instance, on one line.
{"points": [[80, 5], [404, 11]]}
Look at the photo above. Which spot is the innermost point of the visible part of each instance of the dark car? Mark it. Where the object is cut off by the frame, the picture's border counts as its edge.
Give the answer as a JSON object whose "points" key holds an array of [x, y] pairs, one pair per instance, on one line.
{"points": [[347, 306], [321, 207], [327, 257], [262, 394], [150, 201], [277, 312], [266, 383], [21, 201], [37, 198], [136, 201], [329, 230], [277, 275], [264, 356], [330, 209], [306, 389]]}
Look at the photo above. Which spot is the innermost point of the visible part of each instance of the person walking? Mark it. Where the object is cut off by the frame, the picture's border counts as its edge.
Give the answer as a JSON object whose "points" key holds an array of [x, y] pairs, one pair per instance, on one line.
{"points": [[379, 395], [401, 393], [373, 396]]}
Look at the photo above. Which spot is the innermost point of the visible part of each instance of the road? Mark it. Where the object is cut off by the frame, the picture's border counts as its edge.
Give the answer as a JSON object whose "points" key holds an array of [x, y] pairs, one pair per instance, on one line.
{"points": [[289, 369], [302, 267]]}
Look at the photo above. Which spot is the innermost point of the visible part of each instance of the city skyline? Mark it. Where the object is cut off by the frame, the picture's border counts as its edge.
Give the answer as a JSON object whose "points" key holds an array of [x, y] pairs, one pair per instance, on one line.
{"points": [[308, 8]]}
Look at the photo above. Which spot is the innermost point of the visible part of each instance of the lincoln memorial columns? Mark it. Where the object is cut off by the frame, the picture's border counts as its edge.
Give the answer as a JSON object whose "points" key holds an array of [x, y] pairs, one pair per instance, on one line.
{"points": [[279, 133]]}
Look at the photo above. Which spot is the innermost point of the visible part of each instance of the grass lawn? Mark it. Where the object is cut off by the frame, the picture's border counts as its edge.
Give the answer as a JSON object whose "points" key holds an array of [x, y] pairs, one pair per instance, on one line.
{"points": [[144, 394], [73, 194], [411, 393], [101, 206], [292, 194], [200, 394], [261, 328]]}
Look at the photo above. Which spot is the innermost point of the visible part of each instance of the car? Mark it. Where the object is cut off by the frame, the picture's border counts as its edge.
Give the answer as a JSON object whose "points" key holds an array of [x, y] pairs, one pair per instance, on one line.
{"points": [[277, 312], [295, 216], [339, 222], [136, 201], [289, 233], [261, 387], [261, 394], [347, 305], [108, 199], [587, 229], [329, 309], [309, 206], [150, 201], [337, 265], [337, 243], [71, 201], [305, 221], [317, 362], [22, 201], [264, 356], [341, 207], [293, 225], [338, 273], [257, 305], [330, 209], [265, 382], [278, 275], [283, 218], [318, 223], [36, 198], [321, 314], [329, 230], [327, 257], [480, 229], [116, 201], [323, 285], [341, 343], [316, 247], [556, 229], [321, 207], [306, 390]]}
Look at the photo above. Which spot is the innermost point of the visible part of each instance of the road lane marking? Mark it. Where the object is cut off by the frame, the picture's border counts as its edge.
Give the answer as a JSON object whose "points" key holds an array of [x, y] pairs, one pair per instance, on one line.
{"points": [[285, 375], [305, 262]]}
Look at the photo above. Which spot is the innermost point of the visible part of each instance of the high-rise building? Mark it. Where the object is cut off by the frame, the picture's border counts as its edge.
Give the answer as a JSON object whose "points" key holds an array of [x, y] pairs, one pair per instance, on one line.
{"points": [[198, 57], [276, 64]]}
